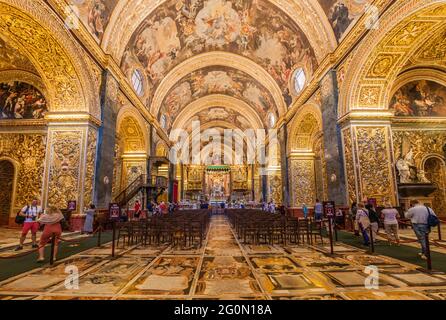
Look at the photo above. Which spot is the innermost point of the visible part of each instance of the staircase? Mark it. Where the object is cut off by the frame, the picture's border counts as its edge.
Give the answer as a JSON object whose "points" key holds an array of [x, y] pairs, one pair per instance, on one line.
{"points": [[155, 186]]}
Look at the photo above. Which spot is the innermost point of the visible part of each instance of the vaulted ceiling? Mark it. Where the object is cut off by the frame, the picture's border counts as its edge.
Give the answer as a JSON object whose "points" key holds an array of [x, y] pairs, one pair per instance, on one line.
{"points": [[247, 50]]}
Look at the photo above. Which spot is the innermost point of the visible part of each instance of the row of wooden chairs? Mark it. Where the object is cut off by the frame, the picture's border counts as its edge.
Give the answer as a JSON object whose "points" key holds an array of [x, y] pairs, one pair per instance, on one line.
{"points": [[258, 227], [184, 228]]}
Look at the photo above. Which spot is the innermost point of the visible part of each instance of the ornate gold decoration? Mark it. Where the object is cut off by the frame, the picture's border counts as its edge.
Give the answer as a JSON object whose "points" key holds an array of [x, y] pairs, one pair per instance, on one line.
{"points": [[375, 174], [90, 166], [275, 188], [117, 168], [349, 166], [370, 72], [52, 61], [64, 167], [424, 143], [29, 152], [303, 188]]}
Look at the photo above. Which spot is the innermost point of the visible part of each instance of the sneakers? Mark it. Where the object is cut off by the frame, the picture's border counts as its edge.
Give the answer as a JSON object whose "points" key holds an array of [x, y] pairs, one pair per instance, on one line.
{"points": [[18, 248], [422, 256]]}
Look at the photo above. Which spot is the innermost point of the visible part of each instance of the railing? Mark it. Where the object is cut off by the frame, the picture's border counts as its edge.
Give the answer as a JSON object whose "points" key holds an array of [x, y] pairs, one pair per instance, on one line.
{"points": [[155, 182], [131, 190]]}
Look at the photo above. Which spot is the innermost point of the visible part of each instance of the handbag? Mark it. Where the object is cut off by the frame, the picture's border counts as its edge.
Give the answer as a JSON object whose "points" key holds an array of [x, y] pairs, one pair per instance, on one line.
{"points": [[432, 220], [20, 219]]}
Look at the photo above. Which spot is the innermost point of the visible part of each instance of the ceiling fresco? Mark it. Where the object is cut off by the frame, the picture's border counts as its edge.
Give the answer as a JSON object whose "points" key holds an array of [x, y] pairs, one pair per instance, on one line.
{"points": [[11, 58], [342, 14], [256, 29], [95, 14], [216, 80]]}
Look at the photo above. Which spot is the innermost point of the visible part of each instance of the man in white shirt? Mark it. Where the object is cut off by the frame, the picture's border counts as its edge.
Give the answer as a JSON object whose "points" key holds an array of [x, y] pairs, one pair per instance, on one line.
{"points": [[31, 213], [419, 214]]}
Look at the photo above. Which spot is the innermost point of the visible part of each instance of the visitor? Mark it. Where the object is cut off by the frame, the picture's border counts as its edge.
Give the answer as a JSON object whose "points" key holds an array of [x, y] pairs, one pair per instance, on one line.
{"points": [[137, 210], [353, 211], [339, 218], [374, 221], [31, 213], [51, 219], [418, 214], [390, 216], [363, 221], [89, 219], [272, 207], [163, 208], [305, 210], [318, 210]]}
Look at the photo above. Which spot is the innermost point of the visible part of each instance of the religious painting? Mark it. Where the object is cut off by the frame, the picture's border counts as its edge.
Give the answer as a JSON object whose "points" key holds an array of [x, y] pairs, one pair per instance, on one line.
{"points": [[255, 29], [95, 14], [421, 98], [217, 80], [19, 100], [342, 13]]}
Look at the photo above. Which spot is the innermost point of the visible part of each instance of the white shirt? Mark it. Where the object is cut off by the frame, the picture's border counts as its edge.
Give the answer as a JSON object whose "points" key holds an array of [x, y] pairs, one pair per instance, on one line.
{"points": [[31, 212], [418, 214]]}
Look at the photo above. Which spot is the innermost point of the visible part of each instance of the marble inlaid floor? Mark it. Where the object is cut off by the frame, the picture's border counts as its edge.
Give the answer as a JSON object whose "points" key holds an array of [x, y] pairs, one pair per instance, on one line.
{"points": [[225, 269]]}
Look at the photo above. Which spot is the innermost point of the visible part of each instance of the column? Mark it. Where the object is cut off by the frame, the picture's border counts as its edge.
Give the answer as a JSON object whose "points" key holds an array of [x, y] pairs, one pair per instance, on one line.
{"points": [[369, 161], [106, 142], [70, 160], [302, 179], [332, 139]]}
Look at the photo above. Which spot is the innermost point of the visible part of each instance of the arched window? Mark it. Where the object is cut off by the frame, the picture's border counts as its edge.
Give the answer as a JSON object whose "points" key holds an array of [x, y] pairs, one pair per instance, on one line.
{"points": [[299, 80], [137, 82], [271, 119], [163, 121]]}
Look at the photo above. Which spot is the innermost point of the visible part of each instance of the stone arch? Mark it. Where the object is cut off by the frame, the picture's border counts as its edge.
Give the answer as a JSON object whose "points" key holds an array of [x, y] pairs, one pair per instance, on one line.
{"points": [[305, 128], [57, 57], [393, 44], [217, 100], [130, 128], [218, 59]]}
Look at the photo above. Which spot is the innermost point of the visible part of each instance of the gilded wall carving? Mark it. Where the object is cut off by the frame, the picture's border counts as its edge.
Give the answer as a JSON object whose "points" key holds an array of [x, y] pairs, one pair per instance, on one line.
{"points": [[422, 142], [64, 167], [90, 166], [275, 188], [302, 182], [349, 166], [374, 160], [29, 152], [66, 92]]}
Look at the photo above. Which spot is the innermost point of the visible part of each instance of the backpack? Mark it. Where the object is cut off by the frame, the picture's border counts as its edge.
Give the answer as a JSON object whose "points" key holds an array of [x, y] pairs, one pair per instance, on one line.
{"points": [[20, 219], [432, 220]]}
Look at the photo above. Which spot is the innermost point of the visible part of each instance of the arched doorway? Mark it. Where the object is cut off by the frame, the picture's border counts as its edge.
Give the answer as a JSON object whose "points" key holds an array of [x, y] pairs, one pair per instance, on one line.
{"points": [[435, 172], [7, 188]]}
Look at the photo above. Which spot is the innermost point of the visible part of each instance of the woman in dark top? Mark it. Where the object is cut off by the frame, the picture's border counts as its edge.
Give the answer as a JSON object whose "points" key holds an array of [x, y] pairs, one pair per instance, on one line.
{"points": [[374, 220]]}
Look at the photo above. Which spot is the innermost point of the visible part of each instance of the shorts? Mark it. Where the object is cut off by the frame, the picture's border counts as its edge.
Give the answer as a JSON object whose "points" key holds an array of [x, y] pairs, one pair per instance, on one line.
{"points": [[30, 226], [391, 228], [48, 232]]}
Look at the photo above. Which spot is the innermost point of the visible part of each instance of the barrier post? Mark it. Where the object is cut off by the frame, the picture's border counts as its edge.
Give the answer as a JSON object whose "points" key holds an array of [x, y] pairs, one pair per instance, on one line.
{"points": [[113, 238], [428, 253], [439, 232], [335, 231], [372, 241], [330, 232], [99, 235], [53, 247]]}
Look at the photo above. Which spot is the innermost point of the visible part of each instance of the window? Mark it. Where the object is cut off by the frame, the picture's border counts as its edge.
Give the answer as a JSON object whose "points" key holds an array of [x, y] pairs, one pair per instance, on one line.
{"points": [[163, 121], [137, 82], [299, 80], [272, 119]]}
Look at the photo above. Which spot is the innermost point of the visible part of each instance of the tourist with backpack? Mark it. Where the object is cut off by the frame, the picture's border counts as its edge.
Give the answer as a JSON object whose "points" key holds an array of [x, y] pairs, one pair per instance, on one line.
{"points": [[423, 219], [29, 215]]}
